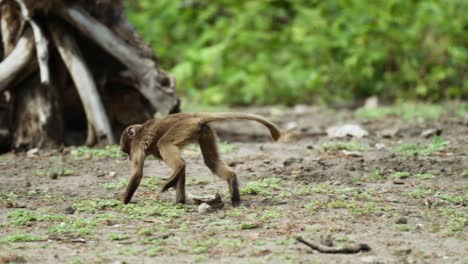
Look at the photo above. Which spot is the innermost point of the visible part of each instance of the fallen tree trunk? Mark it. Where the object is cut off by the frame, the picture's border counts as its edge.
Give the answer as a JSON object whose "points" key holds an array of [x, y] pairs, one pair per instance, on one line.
{"points": [[91, 77]]}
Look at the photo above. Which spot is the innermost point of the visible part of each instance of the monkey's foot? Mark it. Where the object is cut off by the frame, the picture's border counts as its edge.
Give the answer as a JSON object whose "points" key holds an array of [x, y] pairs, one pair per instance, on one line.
{"points": [[235, 203]]}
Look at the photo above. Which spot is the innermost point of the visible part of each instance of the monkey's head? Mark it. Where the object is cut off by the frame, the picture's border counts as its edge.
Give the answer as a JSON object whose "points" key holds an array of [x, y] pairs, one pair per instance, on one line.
{"points": [[127, 137]]}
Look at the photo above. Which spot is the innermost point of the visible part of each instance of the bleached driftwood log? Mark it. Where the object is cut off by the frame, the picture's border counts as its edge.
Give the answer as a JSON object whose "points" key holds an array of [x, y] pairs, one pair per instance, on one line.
{"points": [[41, 43], [14, 64]]}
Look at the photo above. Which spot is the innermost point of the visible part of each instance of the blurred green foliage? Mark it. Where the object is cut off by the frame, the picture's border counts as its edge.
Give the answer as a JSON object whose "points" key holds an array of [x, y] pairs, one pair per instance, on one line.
{"points": [[301, 51]]}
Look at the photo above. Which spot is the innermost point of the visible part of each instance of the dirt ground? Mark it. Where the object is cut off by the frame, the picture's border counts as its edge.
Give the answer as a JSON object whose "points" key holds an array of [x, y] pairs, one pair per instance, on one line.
{"points": [[403, 194]]}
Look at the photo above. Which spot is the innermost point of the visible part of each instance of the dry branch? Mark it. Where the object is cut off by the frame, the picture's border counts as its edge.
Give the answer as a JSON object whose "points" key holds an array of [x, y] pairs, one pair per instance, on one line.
{"points": [[17, 60], [163, 97], [98, 122], [346, 249], [41, 43]]}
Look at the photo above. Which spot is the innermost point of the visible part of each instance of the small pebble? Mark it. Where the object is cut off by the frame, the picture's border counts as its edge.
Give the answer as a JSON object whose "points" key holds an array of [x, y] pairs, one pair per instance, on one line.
{"points": [[70, 210], [204, 208], [401, 221]]}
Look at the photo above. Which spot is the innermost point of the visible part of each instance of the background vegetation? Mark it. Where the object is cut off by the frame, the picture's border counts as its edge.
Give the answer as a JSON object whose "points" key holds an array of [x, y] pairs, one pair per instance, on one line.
{"points": [[302, 51]]}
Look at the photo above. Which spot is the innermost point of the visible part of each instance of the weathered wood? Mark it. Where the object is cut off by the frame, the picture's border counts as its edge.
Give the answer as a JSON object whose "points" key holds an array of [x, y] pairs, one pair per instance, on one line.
{"points": [[17, 60], [38, 118], [11, 27], [98, 122], [155, 85], [41, 43]]}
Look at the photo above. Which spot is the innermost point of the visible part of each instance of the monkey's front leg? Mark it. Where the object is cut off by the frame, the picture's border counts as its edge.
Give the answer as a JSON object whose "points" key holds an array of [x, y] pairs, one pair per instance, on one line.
{"points": [[137, 174]]}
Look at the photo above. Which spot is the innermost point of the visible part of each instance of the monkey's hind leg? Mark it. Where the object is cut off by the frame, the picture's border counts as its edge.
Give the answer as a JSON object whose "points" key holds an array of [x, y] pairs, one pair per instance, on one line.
{"points": [[209, 149], [170, 155]]}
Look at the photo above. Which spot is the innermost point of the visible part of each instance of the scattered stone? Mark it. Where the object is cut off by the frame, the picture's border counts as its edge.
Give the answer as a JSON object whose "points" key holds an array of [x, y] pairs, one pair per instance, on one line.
{"points": [[204, 208], [33, 152], [292, 160], [53, 175], [380, 146], [28, 183], [351, 153], [371, 260], [401, 221], [389, 132], [399, 182], [11, 204], [70, 210], [214, 201], [112, 174], [300, 109], [431, 132], [371, 102], [346, 130], [402, 251], [291, 125]]}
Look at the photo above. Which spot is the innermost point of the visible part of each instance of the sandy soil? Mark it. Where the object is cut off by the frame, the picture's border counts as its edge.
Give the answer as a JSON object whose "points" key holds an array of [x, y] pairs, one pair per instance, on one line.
{"points": [[402, 194]]}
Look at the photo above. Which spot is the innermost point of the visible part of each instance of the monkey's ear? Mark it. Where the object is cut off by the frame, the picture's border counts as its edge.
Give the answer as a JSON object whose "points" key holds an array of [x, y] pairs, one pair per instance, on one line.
{"points": [[131, 131]]}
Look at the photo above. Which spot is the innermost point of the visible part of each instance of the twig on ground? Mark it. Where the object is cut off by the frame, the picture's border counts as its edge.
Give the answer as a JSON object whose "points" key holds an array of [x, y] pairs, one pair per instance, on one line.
{"points": [[345, 249]]}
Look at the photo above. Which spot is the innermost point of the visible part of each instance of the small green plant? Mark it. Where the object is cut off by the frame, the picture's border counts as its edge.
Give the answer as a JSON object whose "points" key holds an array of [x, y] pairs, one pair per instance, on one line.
{"points": [[61, 171], [144, 231], [153, 208], [425, 176], [421, 192], [337, 204], [202, 246], [456, 199], [118, 237], [262, 187], [464, 174], [21, 238], [112, 151], [21, 217], [404, 228], [80, 226], [249, 225], [226, 147], [408, 111], [304, 190], [92, 206], [456, 220], [117, 186], [271, 214], [76, 260], [374, 176], [314, 206], [436, 146], [151, 183], [334, 146]]}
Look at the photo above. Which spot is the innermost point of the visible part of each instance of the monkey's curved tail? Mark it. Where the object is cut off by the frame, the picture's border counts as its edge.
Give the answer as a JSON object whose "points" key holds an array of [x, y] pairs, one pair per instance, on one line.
{"points": [[210, 117]]}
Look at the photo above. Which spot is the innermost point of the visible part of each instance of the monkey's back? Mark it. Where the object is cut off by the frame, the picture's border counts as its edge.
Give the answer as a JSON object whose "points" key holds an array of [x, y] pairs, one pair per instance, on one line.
{"points": [[179, 129]]}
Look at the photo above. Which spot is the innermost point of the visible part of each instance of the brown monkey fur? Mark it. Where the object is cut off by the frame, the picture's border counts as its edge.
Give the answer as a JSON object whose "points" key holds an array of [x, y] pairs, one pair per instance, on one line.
{"points": [[164, 138]]}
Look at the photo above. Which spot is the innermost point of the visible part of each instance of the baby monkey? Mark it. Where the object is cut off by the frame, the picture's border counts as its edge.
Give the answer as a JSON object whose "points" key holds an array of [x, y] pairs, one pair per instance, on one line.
{"points": [[164, 139]]}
